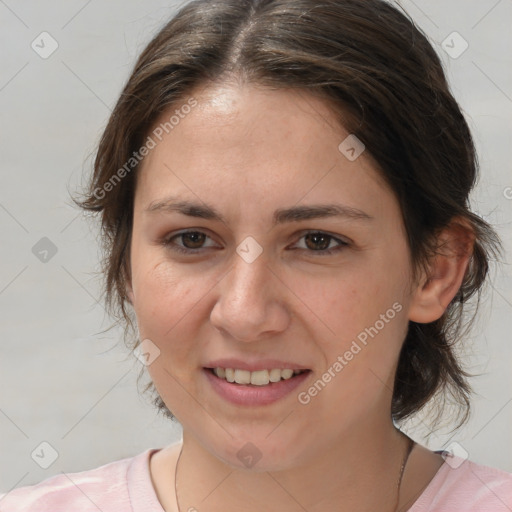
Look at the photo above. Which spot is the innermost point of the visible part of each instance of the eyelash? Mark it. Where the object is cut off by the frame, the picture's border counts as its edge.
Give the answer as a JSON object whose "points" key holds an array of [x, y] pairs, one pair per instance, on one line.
{"points": [[168, 242]]}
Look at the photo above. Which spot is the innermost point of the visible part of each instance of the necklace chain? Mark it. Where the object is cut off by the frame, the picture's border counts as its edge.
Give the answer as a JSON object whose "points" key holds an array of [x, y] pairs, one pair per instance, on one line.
{"points": [[410, 445]]}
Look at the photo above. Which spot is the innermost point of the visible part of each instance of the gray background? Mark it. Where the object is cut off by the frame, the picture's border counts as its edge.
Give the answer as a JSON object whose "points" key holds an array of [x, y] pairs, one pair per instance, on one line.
{"points": [[63, 381]]}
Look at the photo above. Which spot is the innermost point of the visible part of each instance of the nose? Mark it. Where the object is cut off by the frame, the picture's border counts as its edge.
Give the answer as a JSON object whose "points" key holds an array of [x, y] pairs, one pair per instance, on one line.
{"points": [[251, 302]]}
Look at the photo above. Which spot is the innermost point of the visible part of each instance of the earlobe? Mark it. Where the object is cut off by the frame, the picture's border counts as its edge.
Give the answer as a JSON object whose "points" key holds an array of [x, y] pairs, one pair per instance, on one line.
{"points": [[446, 273]]}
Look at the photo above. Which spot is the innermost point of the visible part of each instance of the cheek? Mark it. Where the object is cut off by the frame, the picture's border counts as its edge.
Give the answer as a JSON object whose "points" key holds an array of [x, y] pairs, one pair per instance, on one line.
{"points": [[168, 305], [363, 320], [348, 304], [367, 323], [164, 297]]}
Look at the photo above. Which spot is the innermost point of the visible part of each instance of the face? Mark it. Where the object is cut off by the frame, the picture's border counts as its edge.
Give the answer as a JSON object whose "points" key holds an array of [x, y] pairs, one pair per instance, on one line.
{"points": [[259, 269]]}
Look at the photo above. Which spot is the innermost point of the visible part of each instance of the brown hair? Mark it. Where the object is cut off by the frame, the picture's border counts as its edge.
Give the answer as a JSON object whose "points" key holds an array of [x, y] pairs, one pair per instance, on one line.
{"points": [[386, 83]]}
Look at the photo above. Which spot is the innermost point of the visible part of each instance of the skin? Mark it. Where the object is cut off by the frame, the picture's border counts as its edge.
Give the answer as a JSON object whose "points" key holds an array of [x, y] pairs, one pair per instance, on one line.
{"points": [[248, 151]]}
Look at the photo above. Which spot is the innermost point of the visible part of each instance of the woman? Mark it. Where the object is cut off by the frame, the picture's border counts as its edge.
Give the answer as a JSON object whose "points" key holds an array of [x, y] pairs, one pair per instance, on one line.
{"points": [[283, 188]]}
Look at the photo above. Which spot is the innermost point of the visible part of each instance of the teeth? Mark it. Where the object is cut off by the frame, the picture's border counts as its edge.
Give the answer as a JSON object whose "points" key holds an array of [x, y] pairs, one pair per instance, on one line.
{"points": [[286, 374], [257, 378], [242, 377], [275, 375]]}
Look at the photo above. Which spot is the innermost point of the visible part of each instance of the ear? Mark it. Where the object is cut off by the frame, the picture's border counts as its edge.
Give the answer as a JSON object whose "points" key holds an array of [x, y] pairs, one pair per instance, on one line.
{"points": [[447, 268]]}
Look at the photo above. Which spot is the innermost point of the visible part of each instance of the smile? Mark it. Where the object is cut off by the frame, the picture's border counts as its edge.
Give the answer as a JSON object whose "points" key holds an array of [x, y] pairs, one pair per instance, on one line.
{"points": [[256, 378], [256, 388]]}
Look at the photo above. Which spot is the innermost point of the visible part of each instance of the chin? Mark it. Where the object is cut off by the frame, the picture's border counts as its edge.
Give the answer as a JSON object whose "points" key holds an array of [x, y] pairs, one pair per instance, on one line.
{"points": [[257, 452]]}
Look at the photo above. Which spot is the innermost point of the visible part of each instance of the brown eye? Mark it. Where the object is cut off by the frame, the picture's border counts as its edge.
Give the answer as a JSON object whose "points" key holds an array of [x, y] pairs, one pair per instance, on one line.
{"points": [[322, 243], [193, 239], [191, 242], [318, 241]]}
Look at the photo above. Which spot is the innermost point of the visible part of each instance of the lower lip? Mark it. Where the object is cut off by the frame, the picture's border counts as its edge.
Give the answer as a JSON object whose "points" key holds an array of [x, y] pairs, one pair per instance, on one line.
{"points": [[241, 394]]}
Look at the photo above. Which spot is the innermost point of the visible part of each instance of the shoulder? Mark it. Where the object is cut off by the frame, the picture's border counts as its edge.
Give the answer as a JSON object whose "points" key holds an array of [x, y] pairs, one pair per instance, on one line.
{"points": [[465, 485], [103, 488]]}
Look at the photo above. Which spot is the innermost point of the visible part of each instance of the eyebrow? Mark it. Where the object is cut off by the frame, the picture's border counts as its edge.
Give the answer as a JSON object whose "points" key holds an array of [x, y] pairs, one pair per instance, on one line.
{"points": [[281, 216]]}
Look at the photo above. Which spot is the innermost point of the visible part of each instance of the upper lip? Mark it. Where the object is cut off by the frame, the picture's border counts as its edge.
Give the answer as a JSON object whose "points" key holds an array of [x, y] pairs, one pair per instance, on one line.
{"points": [[253, 366]]}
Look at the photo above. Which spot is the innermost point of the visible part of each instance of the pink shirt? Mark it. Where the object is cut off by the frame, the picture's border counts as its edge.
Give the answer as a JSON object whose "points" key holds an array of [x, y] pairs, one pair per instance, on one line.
{"points": [[125, 486]]}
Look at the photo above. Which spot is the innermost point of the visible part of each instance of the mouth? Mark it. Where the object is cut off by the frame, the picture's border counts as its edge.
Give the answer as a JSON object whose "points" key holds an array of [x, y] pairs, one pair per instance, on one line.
{"points": [[255, 378], [255, 388]]}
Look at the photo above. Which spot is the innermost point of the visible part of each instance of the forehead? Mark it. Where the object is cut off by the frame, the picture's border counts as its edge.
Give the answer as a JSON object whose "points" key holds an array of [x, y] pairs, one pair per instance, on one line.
{"points": [[282, 144]]}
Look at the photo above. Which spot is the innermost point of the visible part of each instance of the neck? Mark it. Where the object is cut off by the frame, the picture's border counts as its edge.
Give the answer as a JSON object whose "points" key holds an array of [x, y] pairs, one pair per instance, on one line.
{"points": [[357, 472]]}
